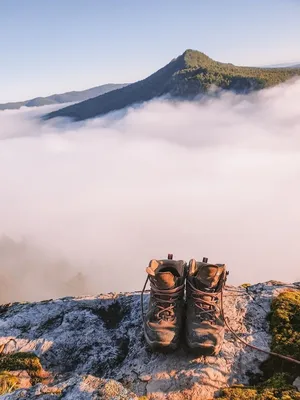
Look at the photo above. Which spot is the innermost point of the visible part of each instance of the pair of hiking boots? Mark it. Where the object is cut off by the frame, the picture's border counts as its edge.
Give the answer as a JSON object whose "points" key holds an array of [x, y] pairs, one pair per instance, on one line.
{"points": [[198, 313]]}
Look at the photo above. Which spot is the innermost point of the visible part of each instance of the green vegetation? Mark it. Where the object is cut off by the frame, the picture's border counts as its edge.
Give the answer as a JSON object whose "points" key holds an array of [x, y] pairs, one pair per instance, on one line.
{"points": [[18, 362], [206, 71], [21, 361], [285, 328], [275, 388], [285, 324], [240, 393]]}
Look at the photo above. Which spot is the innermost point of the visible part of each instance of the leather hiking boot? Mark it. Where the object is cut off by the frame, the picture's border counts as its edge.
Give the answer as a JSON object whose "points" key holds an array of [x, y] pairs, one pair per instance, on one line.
{"points": [[204, 320], [164, 319]]}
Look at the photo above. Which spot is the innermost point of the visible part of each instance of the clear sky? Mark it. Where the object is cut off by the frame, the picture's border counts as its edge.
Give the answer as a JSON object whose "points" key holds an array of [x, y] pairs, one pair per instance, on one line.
{"points": [[52, 46]]}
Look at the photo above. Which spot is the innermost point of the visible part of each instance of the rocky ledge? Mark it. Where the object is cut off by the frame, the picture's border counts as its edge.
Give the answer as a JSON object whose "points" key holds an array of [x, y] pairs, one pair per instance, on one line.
{"points": [[93, 348]]}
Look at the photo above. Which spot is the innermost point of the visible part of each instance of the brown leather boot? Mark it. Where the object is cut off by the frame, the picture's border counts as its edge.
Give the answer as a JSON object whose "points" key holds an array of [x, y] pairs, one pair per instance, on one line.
{"points": [[204, 322], [164, 319]]}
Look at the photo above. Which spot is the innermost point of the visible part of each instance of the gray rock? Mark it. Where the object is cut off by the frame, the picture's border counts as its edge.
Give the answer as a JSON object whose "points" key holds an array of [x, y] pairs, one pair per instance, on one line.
{"points": [[296, 383], [85, 387], [87, 343]]}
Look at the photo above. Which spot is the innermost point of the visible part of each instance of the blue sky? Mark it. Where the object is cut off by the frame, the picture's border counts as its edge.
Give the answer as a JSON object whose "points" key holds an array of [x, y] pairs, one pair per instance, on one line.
{"points": [[60, 45]]}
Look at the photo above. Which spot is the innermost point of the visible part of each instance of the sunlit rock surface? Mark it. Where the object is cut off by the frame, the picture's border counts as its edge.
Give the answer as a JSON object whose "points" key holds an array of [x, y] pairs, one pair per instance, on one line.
{"points": [[93, 347]]}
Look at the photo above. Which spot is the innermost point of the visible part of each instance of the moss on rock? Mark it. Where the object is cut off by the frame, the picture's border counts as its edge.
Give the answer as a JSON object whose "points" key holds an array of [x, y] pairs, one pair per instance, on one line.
{"points": [[240, 393], [279, 374], [284, 322], [275, 388], [285, 328]]}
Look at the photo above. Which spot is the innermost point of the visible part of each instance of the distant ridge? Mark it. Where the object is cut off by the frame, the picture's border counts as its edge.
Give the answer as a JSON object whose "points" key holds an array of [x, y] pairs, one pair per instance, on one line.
{"points": [[288, 65], [186, 76], [67, 97]]}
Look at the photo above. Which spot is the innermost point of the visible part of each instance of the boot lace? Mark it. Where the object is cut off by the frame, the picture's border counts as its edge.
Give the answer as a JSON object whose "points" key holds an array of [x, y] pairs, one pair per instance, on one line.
{"points": [[165, 301], [206, 309]]}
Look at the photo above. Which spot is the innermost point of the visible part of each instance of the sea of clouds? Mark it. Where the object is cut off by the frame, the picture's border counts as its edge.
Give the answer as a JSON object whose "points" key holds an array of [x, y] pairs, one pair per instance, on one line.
{"points": [[85, 206]]}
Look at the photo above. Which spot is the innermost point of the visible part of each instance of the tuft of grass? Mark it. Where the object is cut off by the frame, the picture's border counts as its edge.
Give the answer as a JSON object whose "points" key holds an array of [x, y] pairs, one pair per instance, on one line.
{"points": [[8, 383], [246, 285]]}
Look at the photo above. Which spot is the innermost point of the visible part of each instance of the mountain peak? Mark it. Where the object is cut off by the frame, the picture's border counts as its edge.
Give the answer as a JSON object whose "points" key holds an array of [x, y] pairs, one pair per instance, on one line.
{"points": [[187, 76], [196, 59]]}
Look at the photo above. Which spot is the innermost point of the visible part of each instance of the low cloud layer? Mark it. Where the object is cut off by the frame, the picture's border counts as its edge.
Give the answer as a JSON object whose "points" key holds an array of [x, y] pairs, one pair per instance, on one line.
{"points": [[85, 206]]}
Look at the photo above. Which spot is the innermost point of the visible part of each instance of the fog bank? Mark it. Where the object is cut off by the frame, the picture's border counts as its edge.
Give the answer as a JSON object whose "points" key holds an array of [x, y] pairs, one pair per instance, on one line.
{"points": [[85, 206]]}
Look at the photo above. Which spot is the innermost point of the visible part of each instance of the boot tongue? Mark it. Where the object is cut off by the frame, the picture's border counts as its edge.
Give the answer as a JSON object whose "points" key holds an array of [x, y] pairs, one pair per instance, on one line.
{"points": [[208, 277], [165, 278]]}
